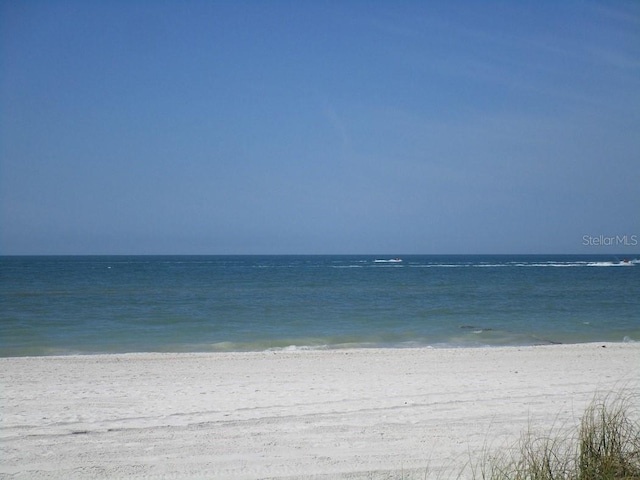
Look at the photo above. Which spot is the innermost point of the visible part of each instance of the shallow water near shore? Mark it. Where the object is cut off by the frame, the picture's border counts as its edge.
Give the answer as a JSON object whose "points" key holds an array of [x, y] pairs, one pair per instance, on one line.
{"points": [[117, 304]]}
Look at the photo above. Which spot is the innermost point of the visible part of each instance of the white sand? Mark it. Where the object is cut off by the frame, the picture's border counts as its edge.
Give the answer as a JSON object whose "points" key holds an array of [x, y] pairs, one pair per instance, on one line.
{"points": [[378, 413]]}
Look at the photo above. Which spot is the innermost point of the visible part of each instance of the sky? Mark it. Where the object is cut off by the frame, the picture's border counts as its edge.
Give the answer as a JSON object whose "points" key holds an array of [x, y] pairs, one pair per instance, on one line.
{"points": [[319, 127]]}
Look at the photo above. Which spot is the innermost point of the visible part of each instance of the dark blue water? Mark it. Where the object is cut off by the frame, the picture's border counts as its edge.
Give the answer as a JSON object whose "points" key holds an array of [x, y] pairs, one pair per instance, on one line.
{"points": [[63, 305]]}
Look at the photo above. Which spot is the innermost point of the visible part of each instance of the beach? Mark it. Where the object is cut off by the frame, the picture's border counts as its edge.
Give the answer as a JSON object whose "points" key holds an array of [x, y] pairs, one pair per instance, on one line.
{"points": [[342, 413]]}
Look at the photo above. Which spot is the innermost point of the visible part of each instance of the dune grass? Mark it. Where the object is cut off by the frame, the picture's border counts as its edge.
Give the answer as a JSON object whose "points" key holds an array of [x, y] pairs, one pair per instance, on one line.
{"points": [[609, 443], [606, 446]]}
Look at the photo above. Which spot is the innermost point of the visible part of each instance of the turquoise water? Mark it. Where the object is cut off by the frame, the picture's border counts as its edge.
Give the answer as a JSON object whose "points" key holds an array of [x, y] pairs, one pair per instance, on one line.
{"points": [[65, 305]]}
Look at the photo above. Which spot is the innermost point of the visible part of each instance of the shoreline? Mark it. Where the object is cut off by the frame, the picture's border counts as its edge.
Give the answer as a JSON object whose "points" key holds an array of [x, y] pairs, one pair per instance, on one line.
{"points": [[342, 413], [293, 348]]}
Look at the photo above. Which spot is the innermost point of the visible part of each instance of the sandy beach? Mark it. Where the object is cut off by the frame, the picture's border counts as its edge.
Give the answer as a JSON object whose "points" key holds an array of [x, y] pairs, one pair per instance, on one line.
{"points": [[366, 413]]}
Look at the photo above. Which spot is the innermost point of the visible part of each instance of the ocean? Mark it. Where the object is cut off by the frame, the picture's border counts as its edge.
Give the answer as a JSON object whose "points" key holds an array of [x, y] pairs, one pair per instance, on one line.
{"points": [[119, 304]]}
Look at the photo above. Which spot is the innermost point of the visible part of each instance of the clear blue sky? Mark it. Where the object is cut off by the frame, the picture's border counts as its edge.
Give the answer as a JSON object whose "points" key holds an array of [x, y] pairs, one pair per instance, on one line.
{"points": [[215, 127]]}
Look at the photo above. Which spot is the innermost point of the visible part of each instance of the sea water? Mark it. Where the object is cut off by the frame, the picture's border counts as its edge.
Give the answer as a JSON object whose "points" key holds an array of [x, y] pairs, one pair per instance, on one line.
{"points": [[94, 304]]}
